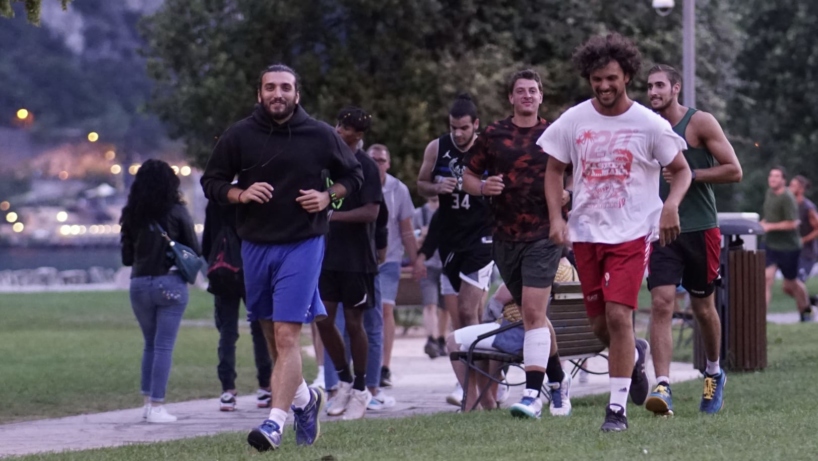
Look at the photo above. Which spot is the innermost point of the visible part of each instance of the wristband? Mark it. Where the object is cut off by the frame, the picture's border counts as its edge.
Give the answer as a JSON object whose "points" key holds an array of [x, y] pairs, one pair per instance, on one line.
{"points": [[482, 183]]}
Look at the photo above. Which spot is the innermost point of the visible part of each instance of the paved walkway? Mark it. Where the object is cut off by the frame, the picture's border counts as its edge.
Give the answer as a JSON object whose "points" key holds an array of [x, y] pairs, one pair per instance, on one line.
{"points": [[420, 387]]}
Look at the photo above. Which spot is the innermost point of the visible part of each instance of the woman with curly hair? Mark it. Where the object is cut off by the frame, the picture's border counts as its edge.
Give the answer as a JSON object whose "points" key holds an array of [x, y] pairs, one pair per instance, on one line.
{"points": [[158, 293], [617, 147]]}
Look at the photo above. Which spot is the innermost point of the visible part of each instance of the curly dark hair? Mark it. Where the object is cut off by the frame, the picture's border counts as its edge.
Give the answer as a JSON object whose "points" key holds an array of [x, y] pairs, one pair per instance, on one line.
{"points": [[355, 118], [154, 192], [597, 52]]}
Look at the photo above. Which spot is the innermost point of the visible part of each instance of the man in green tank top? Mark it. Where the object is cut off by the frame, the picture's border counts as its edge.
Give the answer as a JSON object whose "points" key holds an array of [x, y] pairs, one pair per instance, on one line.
{"points": [[693, 258], [783, 242]]}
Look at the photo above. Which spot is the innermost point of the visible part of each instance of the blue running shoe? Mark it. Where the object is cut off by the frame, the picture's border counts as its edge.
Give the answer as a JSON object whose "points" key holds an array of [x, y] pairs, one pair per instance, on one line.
{"points": [[305, 422], [265, 437], [529, 407], [713, 395], [660, 401]]}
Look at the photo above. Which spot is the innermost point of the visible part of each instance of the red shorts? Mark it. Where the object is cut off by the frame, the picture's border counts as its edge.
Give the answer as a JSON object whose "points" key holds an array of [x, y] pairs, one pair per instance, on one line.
{"points": [[611, 272]]}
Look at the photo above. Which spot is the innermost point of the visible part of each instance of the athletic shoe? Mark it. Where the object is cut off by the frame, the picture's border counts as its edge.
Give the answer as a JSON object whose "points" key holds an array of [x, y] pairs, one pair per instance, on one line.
{"points": [[263, 399], [640, 386], [813, 300], [319, 382], [713, 395], [431, 348], [503, 391], [530, 406], [386, 377], [456, 397], [380, 401], [227, 402], [338, 403], [806, 316], [145, 410], [358, 401], [305, 421], [441, 347], [560, 397], [615, 419], [265, 437], [159, 415], [660, 401]]}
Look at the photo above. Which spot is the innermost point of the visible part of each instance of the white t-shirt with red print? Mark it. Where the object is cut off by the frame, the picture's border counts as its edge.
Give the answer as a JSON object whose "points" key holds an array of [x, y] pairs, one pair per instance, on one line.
{"points": [[617, 162]]}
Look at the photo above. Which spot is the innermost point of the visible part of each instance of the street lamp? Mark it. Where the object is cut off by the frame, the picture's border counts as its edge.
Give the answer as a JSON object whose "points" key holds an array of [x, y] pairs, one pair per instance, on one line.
{"points": [[663, 8], [22, 114]]}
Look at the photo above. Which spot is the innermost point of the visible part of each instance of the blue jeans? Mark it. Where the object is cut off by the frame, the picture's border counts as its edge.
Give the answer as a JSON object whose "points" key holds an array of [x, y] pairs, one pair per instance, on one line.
{"points": [[158, 304], [373, 325]]}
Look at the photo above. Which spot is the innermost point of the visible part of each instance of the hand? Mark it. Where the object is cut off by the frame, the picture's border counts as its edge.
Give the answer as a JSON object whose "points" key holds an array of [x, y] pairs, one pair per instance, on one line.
{"points": [[493, 186], [381, 256], [566, 197], [559, 232], [446, 185], [313, 201], [669, 227], [765, 225], [667, 175], [419, 269], [259, 192]]}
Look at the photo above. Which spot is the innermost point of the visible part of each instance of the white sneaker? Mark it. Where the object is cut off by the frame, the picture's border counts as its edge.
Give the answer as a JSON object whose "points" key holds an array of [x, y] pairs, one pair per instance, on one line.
{"points": [[380, 401], [338, 404], [503, 391], [319, 380], [160, 415], [530, 406], [456, 397], [264, 398], [358, 401], [145, 410], [560, 397], [227, 402]]}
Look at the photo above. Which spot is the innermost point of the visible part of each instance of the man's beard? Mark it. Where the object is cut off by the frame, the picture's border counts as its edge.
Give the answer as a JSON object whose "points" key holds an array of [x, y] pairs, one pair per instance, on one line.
{"points": [[289, 108]]}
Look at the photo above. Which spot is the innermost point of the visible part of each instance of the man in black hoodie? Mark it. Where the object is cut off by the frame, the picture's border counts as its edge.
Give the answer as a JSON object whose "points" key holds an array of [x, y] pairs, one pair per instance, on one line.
{"points": [[282, 158]]}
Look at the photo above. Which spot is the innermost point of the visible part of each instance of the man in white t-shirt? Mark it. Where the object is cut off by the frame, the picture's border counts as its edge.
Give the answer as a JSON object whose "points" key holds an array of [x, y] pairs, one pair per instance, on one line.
{"points": [[617, 148]]}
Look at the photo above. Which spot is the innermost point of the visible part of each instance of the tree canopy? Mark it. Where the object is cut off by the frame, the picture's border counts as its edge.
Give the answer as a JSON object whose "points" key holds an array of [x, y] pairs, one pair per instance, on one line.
{"points": [[32, 9]]}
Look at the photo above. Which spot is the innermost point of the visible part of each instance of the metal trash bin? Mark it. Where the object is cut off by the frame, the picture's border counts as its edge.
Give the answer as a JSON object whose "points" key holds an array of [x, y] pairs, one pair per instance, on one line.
{"points": [[740, 301]]}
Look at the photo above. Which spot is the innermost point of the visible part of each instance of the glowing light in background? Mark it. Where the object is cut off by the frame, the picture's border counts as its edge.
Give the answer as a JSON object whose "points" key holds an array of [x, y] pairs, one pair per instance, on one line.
{"points": [[62, 216], [18, 227], [175, 169], [22, 114], [11, 217], [63, 175], [133, 169], [93, 136], [4, 205], [110, 155], [116, 169], [185, 170]]}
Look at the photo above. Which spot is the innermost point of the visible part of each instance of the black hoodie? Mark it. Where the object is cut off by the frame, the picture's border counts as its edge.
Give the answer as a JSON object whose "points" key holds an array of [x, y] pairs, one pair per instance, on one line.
{"points": [[298, 154]]}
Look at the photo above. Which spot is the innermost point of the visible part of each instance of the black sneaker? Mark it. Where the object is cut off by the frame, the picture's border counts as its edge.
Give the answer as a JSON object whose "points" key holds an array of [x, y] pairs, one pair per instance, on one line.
{"points": [[431, 348], [640, 386], [386, 377], [615, 419], [806, 316], [441, 347], [813, 300]]}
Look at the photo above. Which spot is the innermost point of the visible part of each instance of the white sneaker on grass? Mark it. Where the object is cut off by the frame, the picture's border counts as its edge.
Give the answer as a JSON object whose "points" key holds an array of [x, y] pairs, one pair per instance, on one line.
{"points": [[456, 397], [339, 402], [264, 398], [227, 402], [160, 415], [358, 401], [530, 406], [560, 397], [380, 401]]}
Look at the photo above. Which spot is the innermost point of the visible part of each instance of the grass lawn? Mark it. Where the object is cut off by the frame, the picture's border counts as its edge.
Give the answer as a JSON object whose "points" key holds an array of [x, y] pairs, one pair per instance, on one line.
{"points": [[72, 353], [767, 416]]}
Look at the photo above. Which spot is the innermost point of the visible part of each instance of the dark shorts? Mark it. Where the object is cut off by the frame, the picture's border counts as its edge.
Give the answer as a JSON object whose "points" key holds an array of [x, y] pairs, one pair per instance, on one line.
{"points": [[805, 264], [786, 260], [692, 259], [353, 289], [526, 264], [472, 266]]}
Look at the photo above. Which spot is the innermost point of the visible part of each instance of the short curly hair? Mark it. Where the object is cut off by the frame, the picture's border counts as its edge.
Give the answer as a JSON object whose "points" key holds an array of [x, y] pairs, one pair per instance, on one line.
{"points": [[597, 52]]}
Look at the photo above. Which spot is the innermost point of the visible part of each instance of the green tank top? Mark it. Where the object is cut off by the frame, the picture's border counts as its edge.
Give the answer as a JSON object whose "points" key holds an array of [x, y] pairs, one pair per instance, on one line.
{"points": [[697, 212]]}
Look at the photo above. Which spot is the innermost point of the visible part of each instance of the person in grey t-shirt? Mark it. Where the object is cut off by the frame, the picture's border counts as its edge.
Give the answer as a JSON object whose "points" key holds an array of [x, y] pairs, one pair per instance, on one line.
{"points": [[401, 240], [808, 230]]}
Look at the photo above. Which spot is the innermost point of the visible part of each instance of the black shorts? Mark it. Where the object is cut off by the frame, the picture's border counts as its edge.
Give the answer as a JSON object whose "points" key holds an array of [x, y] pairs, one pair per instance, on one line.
{"points": [[353, 289], [473, 266], [529, 264], [785, 260], [692, 259]]}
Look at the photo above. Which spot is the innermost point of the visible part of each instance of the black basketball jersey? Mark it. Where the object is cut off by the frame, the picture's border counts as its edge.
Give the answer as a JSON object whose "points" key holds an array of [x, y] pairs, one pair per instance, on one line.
{"points": [[465, 219]]}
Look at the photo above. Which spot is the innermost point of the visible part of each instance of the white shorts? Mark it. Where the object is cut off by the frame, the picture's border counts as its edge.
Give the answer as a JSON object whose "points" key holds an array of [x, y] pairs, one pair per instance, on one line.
{"points": [[467, 335], [446, 288]]}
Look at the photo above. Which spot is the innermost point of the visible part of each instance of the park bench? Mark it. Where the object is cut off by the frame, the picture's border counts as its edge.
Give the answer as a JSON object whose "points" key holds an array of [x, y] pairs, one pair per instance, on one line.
{"points": [[577, 342]]}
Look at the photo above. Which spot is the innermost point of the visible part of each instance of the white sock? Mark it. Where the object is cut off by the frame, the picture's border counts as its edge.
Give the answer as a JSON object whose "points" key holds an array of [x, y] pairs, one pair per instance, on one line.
{"points": [[662, 379], [635, 355], [302, 396], [619, 392], [713, 368], [279, 417], [537, 347]]}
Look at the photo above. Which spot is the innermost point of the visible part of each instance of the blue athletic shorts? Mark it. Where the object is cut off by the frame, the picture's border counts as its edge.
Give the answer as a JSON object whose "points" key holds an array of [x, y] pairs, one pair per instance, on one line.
{"points": [[282, 281]]}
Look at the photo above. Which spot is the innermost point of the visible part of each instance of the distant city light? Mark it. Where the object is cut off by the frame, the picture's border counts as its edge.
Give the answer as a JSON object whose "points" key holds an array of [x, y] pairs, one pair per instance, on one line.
{"points": [[18, 227], [22, 114], [175, 169], [75, 230], [116, 169], [93, 136], [198, 228], [62, 216], [110, 155], [65, 229], [4, 205], [756, 144], [116, 228], [11, 217], [133, 169], [185, 170], [63, 175]]}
